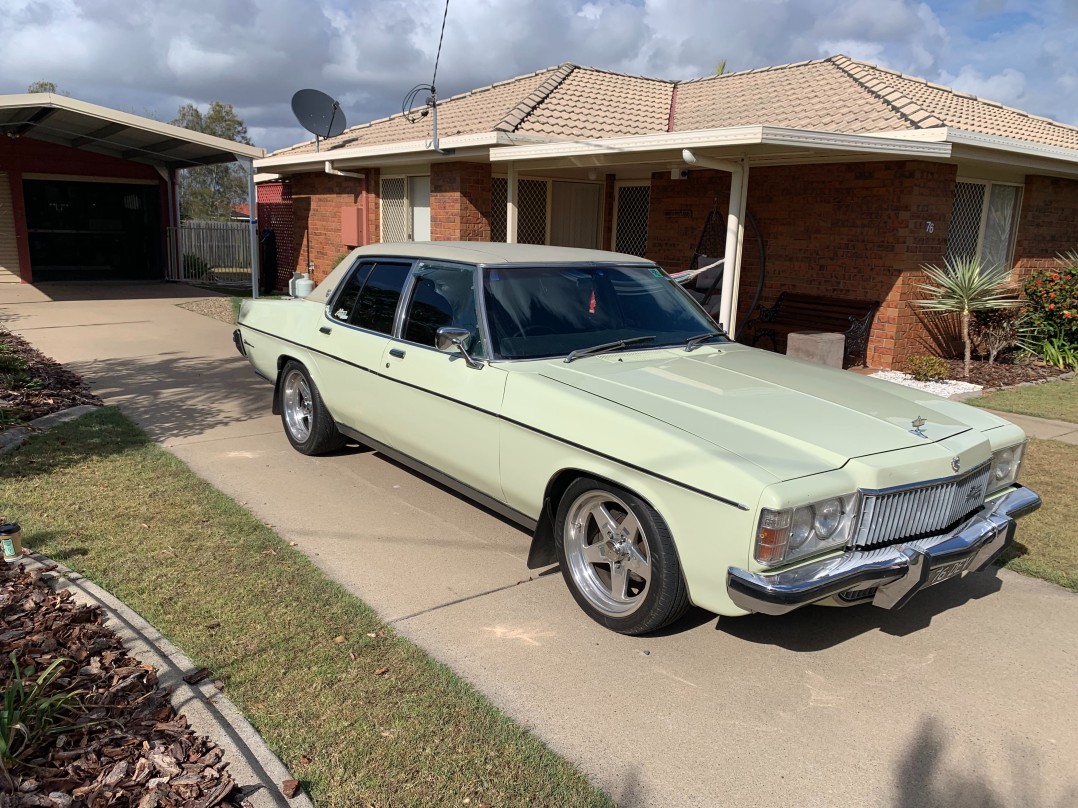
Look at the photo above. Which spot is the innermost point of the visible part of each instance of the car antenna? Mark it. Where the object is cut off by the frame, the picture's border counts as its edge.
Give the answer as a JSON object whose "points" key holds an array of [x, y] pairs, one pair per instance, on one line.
{"points": [[431, 105]]}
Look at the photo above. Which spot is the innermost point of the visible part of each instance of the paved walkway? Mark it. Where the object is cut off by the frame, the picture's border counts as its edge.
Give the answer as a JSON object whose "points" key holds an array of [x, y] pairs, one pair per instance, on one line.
{"points": [[1044, 428], [964, 699]]}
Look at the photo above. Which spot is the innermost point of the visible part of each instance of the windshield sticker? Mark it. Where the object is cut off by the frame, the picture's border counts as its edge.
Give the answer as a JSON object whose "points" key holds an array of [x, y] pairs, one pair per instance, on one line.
{"points": [[341, 314], [658, 273]]}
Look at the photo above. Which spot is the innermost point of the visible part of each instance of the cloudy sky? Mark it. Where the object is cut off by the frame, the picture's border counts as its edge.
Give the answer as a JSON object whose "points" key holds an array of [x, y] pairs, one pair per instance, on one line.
{"points": [[151, 56]]}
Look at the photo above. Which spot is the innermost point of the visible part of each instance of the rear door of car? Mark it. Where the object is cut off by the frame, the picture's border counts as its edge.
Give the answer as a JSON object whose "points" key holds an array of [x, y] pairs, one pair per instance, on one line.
{"points": [[351, 340], [448, 411]]}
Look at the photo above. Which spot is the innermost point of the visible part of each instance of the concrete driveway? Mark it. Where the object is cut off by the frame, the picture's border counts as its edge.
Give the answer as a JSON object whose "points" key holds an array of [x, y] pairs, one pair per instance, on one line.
{"points": [[967, 698]]}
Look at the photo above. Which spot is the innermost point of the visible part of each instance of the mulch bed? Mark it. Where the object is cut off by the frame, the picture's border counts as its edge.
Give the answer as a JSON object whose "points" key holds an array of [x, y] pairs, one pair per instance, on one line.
{"points": [[118, 742], [32, 385], [1001, 375]]}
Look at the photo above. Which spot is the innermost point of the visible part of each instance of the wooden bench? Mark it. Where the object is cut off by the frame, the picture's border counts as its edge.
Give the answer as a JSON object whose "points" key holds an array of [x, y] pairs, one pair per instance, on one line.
{"points": [[798, 312]]}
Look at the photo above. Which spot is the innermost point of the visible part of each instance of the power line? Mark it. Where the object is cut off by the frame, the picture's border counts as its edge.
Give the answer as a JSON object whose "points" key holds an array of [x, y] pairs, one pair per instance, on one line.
{"points": [[441, 36]]}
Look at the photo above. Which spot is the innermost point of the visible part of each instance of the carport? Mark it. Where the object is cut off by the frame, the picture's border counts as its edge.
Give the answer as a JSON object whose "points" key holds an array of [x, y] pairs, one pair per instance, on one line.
{"points": [[90, 193]]}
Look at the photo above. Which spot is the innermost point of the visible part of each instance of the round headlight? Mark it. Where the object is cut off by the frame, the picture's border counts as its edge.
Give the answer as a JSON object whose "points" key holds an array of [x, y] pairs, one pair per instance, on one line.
{"points": [[828, 517], [1004, 462], [800, 527]]}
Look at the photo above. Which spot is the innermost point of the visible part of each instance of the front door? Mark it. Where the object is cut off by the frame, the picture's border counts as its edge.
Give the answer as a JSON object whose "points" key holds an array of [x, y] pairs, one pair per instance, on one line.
{"points": [[419, 199], [448, 411]]}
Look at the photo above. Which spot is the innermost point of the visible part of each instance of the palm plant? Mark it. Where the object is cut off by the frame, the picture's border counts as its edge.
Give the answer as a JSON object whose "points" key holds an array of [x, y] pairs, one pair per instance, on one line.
{"points": [[964, 285]]}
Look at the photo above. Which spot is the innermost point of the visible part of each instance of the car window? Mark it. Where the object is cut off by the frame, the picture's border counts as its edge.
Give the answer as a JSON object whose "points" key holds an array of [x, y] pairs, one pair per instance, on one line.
{"points": [[349, 294], [552, 310], [376, 303], [443, 295]]}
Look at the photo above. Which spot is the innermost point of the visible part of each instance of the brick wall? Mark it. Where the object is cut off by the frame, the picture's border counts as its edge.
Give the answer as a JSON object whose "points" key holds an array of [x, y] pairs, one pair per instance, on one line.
{"points": [[460, 202], [275, 212], [1047, 224], [317, 200], [855, 230]]}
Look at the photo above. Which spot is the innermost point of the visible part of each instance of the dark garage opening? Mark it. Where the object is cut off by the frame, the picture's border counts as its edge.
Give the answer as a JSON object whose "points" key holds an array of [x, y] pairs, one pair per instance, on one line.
{"points": [[93, 230]]}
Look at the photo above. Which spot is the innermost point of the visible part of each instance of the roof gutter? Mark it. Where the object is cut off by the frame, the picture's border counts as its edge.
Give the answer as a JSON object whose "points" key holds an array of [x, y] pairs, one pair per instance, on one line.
{"points": [[418, 149], [736, 136]]}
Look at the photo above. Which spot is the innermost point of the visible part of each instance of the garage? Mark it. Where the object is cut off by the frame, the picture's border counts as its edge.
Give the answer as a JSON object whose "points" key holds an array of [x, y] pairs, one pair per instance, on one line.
{"points": [[89, 193]]}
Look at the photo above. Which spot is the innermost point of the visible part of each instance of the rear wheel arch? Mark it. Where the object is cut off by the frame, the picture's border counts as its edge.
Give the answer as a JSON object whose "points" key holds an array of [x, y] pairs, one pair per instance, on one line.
{"points": [[282, 360]]}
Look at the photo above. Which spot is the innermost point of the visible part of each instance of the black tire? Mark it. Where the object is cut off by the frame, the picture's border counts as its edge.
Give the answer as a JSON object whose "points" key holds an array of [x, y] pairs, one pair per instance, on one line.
{"points": [[307, 423], [625, 573]]}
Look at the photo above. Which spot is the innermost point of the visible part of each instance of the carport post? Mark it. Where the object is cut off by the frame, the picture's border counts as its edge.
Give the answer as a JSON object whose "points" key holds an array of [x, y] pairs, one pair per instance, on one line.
{"points": [[511, 203], [252, 219]]}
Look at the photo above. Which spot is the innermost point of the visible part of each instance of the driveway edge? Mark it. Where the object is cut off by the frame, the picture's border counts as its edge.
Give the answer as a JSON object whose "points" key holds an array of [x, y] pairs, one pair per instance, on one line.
{"points": [[17, 436], [256, 769]]}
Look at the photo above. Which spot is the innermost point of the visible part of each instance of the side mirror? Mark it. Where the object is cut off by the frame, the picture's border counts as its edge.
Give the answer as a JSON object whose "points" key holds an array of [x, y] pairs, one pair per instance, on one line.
{"points": [[451, 340]]}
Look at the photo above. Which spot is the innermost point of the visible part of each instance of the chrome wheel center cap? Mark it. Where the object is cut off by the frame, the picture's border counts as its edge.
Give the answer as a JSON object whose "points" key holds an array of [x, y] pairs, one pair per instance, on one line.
{"points": [[616, 549]]}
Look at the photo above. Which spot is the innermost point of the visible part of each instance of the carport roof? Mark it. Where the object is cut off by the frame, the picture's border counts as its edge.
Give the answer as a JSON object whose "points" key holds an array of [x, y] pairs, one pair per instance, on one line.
{"points": [[78, 124]]}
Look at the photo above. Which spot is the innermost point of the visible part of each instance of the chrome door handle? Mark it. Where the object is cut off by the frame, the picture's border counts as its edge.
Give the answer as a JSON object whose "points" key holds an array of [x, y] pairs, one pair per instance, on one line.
{"points": [[397, 352], [325, 330]]}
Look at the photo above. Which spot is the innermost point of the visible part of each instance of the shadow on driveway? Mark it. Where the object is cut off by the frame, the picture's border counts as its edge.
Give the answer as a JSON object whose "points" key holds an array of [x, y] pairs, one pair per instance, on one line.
{"points": [[815, 628], [174, 396]]}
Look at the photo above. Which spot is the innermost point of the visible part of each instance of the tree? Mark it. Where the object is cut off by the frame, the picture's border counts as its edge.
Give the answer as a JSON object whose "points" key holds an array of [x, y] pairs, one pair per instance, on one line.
{"points": [[211, 192], [720, 68], [964, 285], [43, 87]]}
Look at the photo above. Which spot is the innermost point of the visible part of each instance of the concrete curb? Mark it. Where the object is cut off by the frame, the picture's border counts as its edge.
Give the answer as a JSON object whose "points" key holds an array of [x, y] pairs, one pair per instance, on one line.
{"points": [[17, 436], [257, 771]]}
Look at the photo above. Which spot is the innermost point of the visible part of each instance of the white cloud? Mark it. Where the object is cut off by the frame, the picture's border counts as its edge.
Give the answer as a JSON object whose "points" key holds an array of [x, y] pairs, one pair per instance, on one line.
{"points": [[153, 55]]}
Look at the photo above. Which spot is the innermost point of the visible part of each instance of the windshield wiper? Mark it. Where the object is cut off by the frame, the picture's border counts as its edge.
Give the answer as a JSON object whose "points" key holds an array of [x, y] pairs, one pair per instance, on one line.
{"points": [[692, 343], [606, 346]]}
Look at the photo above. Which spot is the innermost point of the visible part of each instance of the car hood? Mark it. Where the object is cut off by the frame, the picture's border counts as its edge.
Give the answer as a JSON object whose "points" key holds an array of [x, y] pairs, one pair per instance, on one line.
{"points": [[790, 418]]}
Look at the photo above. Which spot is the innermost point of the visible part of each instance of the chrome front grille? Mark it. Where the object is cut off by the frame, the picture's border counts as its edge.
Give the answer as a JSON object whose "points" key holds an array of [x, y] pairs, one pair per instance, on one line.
{"points": [[909, 512]]}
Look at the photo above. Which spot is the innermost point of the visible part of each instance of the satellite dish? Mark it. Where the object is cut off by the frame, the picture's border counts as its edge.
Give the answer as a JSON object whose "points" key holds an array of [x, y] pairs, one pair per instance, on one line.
{"points": [[318, 114]]}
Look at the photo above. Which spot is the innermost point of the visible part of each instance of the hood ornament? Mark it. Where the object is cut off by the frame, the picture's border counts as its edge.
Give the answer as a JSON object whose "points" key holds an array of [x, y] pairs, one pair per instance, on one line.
{"points": [[919, 422]]}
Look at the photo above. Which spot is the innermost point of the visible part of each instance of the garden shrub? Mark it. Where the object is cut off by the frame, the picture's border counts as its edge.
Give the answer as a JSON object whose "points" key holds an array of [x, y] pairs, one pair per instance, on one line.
{"points": [[997, 330], [1052, 296], [194, 266], [927, 368]]}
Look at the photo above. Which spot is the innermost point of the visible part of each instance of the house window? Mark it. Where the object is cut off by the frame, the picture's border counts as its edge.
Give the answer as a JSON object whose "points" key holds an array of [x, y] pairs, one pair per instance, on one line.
{"points": [[405, 208], [632, 201], [563, 213], [984, 220]]}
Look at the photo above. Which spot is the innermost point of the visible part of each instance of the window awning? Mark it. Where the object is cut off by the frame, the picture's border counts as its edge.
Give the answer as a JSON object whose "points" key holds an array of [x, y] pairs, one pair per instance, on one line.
{"points": [[77, 124]]}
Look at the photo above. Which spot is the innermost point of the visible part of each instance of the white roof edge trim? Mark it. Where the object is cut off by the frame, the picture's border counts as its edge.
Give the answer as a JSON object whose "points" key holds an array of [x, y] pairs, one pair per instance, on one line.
{"points": [[731, 136], [384, 149], [1007, 144], [110, 115]]}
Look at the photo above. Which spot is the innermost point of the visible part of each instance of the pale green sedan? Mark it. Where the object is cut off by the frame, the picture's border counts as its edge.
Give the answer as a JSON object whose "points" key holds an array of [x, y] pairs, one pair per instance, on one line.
{"points": [[586, 396]]}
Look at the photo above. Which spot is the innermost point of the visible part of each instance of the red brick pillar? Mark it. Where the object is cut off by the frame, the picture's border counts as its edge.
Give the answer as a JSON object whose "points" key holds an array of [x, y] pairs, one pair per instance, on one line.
{"points": [[460, 202]]}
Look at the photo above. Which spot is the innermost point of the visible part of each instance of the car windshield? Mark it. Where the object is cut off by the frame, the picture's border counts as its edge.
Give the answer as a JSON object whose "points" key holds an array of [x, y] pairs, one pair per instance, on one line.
{"points": [[546, 311]]}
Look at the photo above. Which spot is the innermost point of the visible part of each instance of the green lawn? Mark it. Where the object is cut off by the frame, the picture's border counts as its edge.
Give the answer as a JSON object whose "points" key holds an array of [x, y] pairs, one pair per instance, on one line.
{"points": [[1057, 400], [360, 715], [1047, 541]]}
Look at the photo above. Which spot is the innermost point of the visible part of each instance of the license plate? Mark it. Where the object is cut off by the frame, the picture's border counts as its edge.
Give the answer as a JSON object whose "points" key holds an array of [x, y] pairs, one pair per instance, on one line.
{"points": [[940, 574]]}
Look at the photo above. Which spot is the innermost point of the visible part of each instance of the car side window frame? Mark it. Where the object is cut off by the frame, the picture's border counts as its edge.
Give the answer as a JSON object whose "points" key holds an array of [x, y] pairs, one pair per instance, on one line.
{"points": [[369, 264], [408, 298]]}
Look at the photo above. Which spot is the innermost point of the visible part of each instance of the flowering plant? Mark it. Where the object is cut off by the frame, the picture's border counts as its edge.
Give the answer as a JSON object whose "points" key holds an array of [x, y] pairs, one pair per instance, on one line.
{"points": [[1052, 298]]}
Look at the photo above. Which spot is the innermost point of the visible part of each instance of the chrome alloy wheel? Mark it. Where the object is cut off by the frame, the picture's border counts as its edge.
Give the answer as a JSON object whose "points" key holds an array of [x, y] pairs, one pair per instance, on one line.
{"points": [[297, 405], [607, 553]]}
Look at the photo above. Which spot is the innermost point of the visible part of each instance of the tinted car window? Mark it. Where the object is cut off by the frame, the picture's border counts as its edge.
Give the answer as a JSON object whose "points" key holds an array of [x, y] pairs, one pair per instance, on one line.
{"points": [[443, 296], [377, 302], [552, 310], [349, 294]]}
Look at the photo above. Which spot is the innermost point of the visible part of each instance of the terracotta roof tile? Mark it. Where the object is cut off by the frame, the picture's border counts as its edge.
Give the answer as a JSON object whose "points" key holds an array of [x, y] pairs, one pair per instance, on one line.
{"points": [[837, 94], [808, 95], [592, 103], [964, 111], [473, 112]]}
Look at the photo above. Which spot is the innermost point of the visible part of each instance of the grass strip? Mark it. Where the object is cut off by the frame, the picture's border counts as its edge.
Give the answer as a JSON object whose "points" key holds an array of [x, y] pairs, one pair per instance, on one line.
{"points": [[361, 716], [1055, 400], [1046, 546]]}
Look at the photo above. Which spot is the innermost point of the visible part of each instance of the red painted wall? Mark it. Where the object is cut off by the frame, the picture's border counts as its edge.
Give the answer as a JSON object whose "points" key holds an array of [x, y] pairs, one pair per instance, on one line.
{"points": [[20, 156]]}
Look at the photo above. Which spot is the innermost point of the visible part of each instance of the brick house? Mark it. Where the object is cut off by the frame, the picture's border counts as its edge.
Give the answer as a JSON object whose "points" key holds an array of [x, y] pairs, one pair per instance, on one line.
{"points": [[833, 177]]}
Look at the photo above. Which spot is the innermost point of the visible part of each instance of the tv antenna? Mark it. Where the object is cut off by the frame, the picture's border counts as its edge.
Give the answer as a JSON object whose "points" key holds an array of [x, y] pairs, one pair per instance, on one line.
{"points": [[318, 114], [431, 106]]}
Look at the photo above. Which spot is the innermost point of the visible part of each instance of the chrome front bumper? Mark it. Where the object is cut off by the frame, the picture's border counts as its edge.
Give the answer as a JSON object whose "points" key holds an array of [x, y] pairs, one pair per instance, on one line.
{"points": [[897, 572]]}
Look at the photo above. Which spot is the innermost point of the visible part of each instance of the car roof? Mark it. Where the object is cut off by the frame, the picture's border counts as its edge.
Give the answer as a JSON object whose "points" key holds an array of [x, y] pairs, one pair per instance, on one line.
{"points": [[474, 252], [494, 252]]}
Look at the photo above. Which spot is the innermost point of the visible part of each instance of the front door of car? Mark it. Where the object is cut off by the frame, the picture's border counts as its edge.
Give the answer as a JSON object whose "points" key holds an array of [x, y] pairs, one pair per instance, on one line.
{"points": [[447, 409], [352, 339]]}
